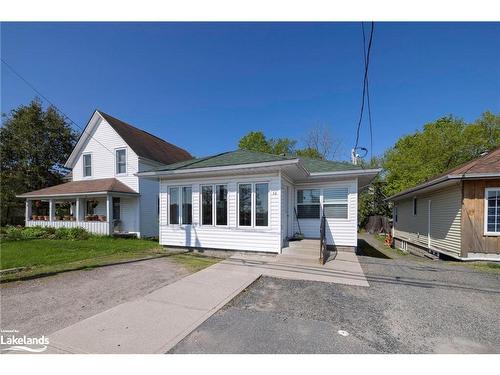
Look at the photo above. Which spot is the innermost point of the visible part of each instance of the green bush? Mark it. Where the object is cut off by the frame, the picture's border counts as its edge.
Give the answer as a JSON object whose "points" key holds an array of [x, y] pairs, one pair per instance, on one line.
{"points": [[31, 233]]}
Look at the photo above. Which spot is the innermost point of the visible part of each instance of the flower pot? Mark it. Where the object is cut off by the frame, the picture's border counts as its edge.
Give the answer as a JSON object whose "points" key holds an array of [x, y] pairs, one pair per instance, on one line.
{"points": [[66, 217], [46, 218], [34, 217], [102, 218], [58, 217]]}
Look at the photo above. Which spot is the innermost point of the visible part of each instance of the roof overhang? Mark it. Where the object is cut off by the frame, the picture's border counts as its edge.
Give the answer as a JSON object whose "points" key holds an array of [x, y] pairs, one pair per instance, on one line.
{"points": [[82, 140], [76, 195], [292, 168], [441, 182]]}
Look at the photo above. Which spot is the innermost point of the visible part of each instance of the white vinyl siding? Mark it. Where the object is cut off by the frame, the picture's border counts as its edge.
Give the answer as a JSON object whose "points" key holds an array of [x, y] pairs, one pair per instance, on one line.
{"points": [[445, 219], [102, 144], [232, 236]]}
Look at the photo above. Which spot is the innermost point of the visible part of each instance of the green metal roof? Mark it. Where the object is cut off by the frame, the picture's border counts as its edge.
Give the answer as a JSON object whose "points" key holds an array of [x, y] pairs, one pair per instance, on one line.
{"points": [[239, 157]]}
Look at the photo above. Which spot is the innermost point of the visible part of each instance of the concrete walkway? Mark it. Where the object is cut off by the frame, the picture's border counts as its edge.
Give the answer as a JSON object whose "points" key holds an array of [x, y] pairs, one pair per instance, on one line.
{"points": [[157, 322]]}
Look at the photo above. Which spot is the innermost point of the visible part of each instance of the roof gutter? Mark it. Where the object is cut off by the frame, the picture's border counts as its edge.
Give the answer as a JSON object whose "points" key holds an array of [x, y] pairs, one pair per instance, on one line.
{"points": [[178, 172], [352, 172], [75, 194]]}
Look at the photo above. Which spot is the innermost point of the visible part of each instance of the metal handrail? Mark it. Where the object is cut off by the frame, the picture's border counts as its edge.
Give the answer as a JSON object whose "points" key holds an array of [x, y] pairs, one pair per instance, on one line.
{"points": [[322, 240]]}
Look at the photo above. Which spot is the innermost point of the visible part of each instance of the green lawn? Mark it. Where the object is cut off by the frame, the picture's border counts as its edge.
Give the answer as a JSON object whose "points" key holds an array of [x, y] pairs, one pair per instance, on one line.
{"points": [[40, 257]]}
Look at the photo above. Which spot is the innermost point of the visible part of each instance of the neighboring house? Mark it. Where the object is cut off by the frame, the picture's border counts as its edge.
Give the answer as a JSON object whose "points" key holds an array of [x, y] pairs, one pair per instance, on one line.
{"points": [[456, 213], [243, 200], [104, 194]]}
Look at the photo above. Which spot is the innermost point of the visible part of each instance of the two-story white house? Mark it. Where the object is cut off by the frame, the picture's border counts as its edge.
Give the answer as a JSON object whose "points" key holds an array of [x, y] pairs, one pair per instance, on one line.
{"points": [[105, 196]]}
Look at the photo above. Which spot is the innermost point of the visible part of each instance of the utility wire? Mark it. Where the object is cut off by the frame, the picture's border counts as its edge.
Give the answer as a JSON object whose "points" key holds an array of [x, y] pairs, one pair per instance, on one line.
{"points": [[367, 64], [368, 94], [65, 116]]}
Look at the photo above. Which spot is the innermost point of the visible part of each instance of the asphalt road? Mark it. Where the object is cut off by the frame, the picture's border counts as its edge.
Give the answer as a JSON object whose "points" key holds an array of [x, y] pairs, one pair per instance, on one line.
{"points": [[44, 305], [412, 306]]}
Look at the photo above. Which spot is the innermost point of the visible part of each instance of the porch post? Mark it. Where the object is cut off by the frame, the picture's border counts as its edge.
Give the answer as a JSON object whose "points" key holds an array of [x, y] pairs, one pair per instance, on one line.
{"points": [[28, 211], [108, 212], [77, 209], [51, 210]]}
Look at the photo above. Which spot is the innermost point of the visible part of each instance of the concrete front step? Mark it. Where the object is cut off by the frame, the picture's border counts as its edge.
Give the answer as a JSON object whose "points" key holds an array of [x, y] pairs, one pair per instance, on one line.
{"points": [[301, 252]]}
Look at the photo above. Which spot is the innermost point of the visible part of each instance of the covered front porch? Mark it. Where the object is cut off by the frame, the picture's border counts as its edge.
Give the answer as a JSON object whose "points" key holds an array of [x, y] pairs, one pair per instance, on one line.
{"points": [[112, 211]]}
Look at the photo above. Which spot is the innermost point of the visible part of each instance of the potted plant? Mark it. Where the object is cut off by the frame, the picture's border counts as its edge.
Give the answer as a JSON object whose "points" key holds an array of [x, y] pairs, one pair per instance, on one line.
{"points": [[102, 217]]}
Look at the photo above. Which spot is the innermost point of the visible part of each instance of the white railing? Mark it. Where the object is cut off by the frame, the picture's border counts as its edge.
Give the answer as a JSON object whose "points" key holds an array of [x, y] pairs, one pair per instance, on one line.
{"points": [[97, 227]]}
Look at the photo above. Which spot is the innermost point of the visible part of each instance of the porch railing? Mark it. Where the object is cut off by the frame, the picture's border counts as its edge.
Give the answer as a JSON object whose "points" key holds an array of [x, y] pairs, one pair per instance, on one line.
{"points": [[97, 227], [322, 241]]}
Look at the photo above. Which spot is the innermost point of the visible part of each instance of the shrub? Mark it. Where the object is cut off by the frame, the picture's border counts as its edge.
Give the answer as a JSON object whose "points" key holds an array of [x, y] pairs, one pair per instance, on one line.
{"points": [[31, 233]]}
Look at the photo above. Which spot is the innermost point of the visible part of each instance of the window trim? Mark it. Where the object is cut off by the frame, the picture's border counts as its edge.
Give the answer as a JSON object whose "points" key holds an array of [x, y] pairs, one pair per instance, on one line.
{"points": [[116, 161], [485, 198], [253, 215], [301, 204], [83, 165]]}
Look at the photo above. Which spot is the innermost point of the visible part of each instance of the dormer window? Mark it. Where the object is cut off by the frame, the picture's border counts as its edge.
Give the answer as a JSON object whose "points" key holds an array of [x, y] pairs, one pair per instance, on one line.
{"points": [[87, 165], [121, 161]]}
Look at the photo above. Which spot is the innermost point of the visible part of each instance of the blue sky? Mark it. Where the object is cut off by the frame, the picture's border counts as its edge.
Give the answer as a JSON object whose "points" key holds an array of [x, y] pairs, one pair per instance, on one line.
{"points": [[203, 86]]}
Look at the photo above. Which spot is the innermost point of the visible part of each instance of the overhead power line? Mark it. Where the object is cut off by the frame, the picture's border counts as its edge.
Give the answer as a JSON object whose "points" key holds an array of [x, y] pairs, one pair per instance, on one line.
{"points": [[65, 116], [366, 54], [368, 93]]}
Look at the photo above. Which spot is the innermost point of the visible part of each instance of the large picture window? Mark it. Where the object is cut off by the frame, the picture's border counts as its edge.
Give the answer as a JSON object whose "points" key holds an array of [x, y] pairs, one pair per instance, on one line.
{"points": [[174, 205], [245, 204], [121, 161], [492, 223], [187, 206], [87, 165], [261, 205], [221, 205], [335, 202], [308, 204]]}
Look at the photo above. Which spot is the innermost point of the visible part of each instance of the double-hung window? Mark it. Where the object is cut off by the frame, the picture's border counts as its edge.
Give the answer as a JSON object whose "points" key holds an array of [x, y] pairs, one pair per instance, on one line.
{"points": [[308, 203], [121, 161], [335, 202], [180, 205], [253, 204], [87, 165], [214, 205], [492, 214]]}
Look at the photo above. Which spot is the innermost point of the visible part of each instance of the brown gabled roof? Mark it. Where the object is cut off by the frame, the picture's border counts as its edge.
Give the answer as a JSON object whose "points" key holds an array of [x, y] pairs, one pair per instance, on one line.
{"points": [[147, 145], [108, 185], [486, 166]]}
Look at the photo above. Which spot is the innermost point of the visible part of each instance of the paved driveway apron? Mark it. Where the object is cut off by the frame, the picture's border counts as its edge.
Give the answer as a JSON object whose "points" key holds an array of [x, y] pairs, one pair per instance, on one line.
{"points": [[156, 322]]}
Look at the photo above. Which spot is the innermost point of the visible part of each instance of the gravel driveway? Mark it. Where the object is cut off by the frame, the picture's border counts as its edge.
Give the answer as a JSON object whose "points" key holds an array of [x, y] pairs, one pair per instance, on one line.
{"points": [[44, 305], [412, 306]]}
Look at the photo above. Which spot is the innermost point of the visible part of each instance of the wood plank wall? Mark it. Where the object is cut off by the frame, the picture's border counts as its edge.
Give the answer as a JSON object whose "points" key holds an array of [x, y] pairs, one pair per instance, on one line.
{"points": [[473, 238]]}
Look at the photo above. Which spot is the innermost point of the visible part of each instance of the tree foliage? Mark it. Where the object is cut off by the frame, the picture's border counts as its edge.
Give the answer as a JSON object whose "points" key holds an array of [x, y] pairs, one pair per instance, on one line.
{"points": [[319, 144], [440, 146], [34, 143]]}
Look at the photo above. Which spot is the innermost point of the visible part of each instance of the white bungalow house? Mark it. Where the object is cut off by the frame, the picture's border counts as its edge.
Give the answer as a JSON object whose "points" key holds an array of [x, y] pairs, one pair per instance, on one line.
{"points": [[243, 200], [104, 194]]}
